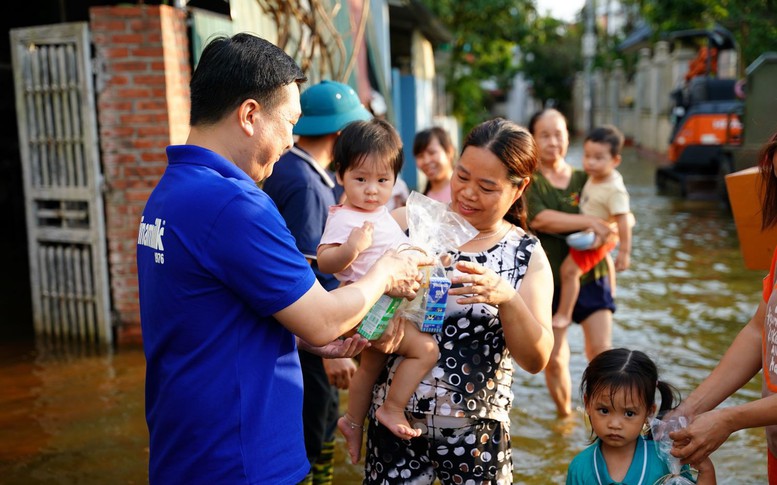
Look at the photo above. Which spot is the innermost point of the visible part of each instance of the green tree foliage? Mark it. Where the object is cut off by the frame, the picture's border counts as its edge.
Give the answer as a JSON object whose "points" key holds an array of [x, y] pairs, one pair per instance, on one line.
{"points": [[753, 22], [552, 56], [485, 35]]}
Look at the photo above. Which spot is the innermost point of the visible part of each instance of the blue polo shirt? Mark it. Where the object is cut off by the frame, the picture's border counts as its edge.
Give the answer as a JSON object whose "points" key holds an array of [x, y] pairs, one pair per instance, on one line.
{"points": [[589, 467], [223, 380], [303, 192]]}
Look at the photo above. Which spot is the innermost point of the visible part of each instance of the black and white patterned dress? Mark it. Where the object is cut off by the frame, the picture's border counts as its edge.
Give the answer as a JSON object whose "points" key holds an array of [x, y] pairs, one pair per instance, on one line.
{"points": [[471, 383]]}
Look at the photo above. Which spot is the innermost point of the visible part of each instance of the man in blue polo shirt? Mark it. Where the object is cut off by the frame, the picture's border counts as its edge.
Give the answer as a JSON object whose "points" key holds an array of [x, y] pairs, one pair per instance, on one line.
{"points": [[303, 189], [223, 289]]}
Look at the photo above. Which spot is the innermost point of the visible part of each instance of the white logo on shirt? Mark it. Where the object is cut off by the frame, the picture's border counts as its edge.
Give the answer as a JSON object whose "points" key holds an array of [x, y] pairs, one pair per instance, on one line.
{"points": [[150, 235]]}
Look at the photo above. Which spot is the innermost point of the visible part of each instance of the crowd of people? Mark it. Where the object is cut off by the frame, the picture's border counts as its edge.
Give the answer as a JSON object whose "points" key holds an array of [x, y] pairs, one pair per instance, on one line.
{"points": [[278, 239]]}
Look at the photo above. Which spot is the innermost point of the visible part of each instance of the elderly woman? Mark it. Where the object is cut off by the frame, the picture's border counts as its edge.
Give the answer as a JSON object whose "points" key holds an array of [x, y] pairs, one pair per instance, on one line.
{"points": [[553, 210], [498, 311]]}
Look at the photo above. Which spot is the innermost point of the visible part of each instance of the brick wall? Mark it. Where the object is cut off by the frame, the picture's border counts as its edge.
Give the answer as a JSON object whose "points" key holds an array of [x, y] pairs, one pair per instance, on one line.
{"points": [[142, 83]]}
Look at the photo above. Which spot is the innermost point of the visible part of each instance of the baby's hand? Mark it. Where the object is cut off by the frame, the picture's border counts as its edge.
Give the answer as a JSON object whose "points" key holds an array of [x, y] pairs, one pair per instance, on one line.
{"points": [[361, 237], [622, 262]]}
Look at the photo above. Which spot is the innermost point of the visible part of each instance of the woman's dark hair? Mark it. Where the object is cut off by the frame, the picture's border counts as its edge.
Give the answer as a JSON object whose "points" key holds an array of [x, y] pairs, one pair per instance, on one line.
{"points": [[424, 137], [630, 370], [539, 114], [768, 186], [515, 147], [360, 139], [233, 69]]}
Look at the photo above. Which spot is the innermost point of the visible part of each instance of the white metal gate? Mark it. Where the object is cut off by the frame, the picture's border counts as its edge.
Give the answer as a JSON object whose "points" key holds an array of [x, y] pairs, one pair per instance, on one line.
{"points": [[62, 181]]}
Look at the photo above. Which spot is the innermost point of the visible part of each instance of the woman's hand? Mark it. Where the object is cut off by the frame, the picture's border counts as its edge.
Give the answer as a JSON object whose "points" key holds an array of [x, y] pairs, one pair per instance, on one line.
{"points": [[602, 229], [699, 439], [480, 285]]}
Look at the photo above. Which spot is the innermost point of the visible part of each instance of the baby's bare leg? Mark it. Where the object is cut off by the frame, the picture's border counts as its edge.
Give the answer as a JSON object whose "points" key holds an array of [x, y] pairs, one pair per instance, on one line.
{"points": [[420, 354], [570, 289], [359, 397]]}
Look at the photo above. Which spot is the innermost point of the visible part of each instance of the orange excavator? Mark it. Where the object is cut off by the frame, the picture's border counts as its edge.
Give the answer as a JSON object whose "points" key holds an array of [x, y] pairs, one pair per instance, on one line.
{"points": [[706, 121]]}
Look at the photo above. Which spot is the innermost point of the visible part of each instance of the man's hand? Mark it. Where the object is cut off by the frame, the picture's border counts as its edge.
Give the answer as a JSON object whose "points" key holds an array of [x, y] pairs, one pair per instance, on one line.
{"points": [[336, 349], [405, 277], [339, 371]]}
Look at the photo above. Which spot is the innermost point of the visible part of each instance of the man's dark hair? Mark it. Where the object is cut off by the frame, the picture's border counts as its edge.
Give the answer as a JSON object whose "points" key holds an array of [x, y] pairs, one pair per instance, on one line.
{"points": [[233, 69], [607, 134]]}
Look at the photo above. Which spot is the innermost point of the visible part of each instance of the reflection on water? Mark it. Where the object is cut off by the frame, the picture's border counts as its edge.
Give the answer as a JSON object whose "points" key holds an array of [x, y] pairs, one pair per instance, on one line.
{"points": [[77, 417], [69, 416]]}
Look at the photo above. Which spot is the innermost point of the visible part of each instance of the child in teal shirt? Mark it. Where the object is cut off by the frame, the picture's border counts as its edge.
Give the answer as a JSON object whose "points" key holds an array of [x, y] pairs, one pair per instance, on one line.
{"points": [[619, 388]]}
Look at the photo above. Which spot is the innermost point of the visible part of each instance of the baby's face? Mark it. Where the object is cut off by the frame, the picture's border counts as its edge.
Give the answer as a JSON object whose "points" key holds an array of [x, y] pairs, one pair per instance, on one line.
{"points": [[368, 185], [598, 161]]}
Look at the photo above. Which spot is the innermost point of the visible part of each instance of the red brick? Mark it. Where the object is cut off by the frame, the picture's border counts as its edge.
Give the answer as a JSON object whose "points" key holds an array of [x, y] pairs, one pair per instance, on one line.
{"points": [[134, 93], [145, 143], [145, 24], [108, 25], [115, 52], [138, 194], [130, 66], [150, 79], [122, 80], [148, 52], [117, 130], [133, 39], [116, 105], [154, 157], [143, 118], [153, 130]]}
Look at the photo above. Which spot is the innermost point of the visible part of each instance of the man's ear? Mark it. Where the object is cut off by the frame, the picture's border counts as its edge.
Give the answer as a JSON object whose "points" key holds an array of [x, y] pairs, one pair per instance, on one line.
{"points": [[248, 113]]}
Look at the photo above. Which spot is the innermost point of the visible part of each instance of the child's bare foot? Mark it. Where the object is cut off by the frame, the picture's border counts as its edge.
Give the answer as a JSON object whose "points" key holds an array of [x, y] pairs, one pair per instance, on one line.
{"points": [[353, 436], [560, 321], [396, 422]]}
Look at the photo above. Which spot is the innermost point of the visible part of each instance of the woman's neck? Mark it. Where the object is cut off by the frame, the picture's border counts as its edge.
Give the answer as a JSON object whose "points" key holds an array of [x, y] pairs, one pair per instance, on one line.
{"points": [[558, 172], [439, 184]]}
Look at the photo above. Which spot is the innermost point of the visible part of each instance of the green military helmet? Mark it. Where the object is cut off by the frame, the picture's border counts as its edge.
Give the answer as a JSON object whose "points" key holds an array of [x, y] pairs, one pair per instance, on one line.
{"points": [[327, 107]]}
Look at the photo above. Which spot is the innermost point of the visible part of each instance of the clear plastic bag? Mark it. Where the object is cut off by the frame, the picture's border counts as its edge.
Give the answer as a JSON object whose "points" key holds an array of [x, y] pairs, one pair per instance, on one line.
{"points": [[660, 430], [435, 230]]}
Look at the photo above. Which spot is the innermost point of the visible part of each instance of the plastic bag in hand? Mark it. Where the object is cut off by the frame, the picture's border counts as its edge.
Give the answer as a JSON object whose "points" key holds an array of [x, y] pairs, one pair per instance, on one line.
{"points": [[660, 430], [435, 230]]}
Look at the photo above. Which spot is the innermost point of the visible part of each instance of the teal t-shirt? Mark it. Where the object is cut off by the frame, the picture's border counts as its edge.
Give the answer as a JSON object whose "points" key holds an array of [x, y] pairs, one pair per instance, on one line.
{"points": [[589, 467], [541, 195]]}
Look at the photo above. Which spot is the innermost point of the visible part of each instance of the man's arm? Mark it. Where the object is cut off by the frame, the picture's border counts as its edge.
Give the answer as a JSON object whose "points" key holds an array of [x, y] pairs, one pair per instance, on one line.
{"points": [[338, 311]]}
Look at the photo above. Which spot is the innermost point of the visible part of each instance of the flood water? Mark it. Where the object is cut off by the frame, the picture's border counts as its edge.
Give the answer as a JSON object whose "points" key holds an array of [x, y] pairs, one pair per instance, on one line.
{"points": [[70, 416]]}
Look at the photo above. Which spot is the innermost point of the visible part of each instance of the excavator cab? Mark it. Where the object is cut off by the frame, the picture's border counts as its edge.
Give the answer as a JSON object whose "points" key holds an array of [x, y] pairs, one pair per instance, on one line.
{"points": [[706, 120]]}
